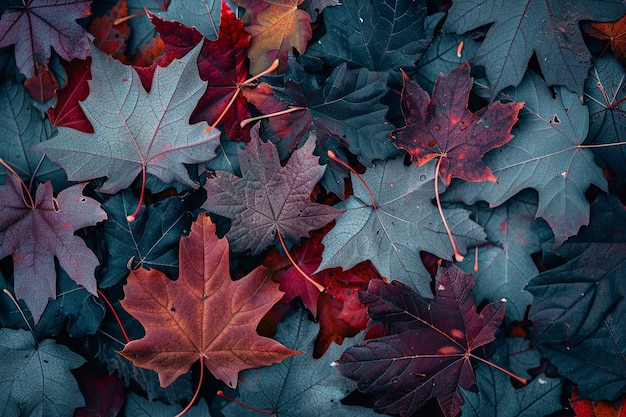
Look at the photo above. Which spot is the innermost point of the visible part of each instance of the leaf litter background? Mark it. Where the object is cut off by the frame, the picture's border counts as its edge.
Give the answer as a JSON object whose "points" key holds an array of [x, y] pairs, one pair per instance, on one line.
{"points": [[533, 192]]}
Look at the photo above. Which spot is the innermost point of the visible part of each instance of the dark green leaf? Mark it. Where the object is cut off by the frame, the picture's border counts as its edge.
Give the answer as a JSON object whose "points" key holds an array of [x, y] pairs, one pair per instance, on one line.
{"points": [[137, 406], [505, 265], [605, 92], [152, 239], [544, 154], [22, 126], [35, 379], [548, 29], [377, 35], [496, 396], [404, 222], [299, 386]]}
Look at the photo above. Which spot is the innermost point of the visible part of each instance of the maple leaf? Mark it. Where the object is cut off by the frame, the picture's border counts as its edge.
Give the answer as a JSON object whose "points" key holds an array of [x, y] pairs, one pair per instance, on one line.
{"points": [[300, 385], [339, 312], [67, 112], [403, 223], [36, 378], [379, 35], [37, 26], [136, 131], [614, 32], [151, 241], [504, 266], [346, 108], [104, 395], [443, 126], [605, 97], [22, 125], [497, 397], [549, 29], [203, 315], [268, 198], [36, 232], [138, 406], [276, 27], [222, 63], [557, 166], [427, 348]]}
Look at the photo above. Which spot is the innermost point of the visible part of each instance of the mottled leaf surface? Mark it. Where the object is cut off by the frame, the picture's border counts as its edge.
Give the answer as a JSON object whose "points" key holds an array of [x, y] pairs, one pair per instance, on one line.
{"points": [[550, 29], [136, 130]]}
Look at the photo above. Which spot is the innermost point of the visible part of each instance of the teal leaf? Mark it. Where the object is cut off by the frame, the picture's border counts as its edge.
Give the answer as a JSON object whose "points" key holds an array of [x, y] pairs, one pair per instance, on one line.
{"points": [[35, 379]]}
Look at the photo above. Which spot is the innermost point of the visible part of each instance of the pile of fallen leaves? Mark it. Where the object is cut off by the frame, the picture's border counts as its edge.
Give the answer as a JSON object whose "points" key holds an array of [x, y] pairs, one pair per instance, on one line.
{"points": [[312, 208]]}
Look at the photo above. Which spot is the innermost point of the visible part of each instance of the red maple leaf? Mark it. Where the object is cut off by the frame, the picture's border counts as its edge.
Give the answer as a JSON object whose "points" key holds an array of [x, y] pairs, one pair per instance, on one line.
{"points": [[614, 32], [427, 346], [203, 315], [337, 309], [443, 126], [223, 63], [67, 112]]}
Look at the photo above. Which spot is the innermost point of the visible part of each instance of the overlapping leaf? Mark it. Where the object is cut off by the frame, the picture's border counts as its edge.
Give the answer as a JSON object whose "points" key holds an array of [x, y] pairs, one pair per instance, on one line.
{"points": [[544, 154], [505, 265], [548, 29], [379, 35], [37, 26], [427, 346], [443, 126], [277, 27], [151, 241], [22, 126], [268, 198], [203, 315], [571, 301], [36, 378], [605, 92], [614, 33], [497, 397], [35, 232], [134, 130], [298, 386], [403, 223]]}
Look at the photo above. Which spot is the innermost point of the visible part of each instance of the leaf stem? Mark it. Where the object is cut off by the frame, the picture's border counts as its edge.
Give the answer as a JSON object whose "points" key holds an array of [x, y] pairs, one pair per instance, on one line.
{"points": [[7, 292], [457, 255], [238, 90], [126, 18], [195, 395], [332, 155], [133, 217], [290, 109], [501, 369], [117, 318], [221, 394], [26, 190], [295, 265]]}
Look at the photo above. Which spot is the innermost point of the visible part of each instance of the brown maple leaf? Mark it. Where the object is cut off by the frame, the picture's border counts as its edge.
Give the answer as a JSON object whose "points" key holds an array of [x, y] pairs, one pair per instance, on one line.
{"points": [[276, 27], [443, 126], [614, 32], [203, 315]]}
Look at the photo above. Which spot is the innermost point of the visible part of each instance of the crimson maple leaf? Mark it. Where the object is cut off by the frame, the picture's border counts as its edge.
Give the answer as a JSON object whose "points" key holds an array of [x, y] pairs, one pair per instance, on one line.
{"points": [[427, 348], [35, 232], [203, 315], [39, 25], [444, 127]]}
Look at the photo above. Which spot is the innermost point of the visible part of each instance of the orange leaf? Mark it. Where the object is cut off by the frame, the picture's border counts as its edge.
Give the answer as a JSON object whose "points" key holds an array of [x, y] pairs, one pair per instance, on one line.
{"points": [[615, 33], [276, 27], [202, 314]]}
